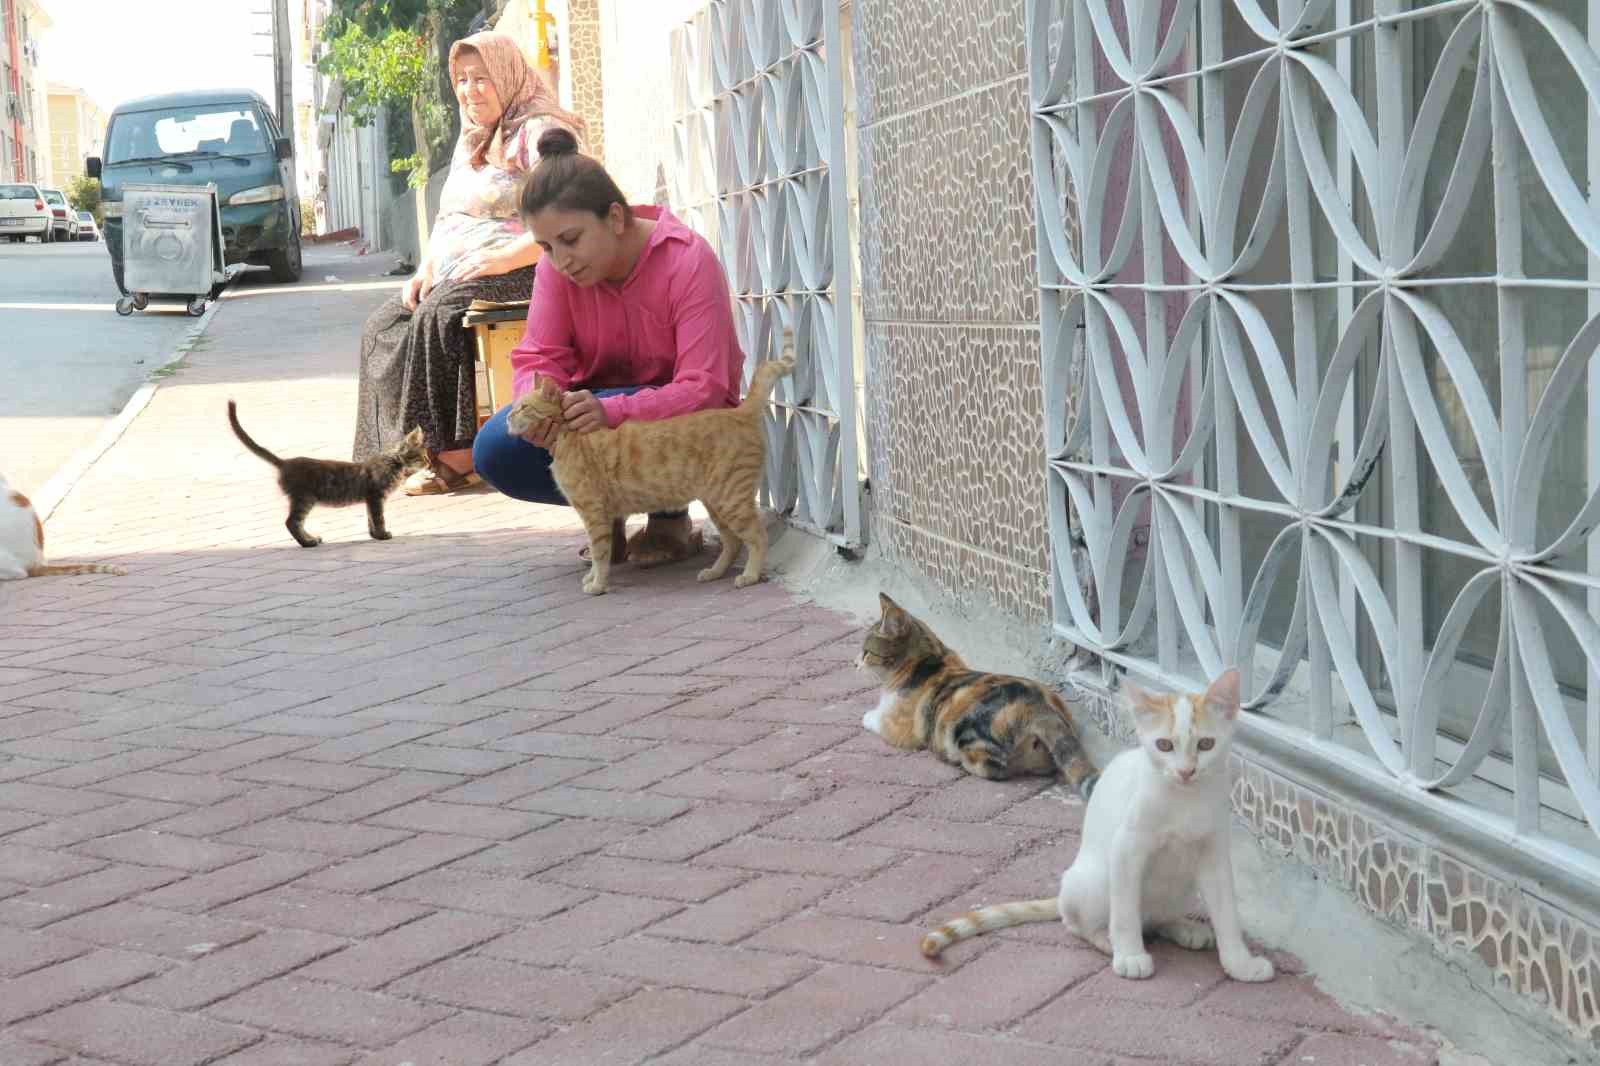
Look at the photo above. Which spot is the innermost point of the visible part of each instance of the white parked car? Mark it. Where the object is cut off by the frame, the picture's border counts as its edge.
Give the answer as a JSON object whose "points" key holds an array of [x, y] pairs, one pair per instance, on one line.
{"points": [[87, 230], [24, 214], [64, 220]]}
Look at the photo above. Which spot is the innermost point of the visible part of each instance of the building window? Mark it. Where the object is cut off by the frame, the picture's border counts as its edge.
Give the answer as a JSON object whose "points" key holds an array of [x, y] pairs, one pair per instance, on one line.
{"points": [[1321, 306]]}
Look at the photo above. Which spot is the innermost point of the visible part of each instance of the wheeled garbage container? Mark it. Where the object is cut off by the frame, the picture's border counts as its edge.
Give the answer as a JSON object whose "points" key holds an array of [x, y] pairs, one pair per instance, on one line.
{"points": [[171, 245]]}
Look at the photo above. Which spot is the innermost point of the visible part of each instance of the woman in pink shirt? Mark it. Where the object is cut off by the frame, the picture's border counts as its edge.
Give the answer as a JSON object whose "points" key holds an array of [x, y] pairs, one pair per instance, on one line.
{"points": [[631, 314]]}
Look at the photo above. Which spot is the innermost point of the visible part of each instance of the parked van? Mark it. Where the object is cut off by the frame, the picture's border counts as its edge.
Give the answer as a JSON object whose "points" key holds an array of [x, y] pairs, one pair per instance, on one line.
{"points": [[223, 136]]}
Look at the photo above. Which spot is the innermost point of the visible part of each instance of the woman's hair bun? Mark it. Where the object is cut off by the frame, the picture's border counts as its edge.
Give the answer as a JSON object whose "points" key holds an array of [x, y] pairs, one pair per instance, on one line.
{"points": [[557, 140]]}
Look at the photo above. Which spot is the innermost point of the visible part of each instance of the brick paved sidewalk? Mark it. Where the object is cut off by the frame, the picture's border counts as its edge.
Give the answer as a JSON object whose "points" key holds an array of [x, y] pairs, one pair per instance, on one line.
{"points": [[423, 802]]}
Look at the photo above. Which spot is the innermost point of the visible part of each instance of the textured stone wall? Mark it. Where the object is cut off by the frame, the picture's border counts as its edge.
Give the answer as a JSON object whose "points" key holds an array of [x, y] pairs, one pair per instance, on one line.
{"points": [[950, 297], [584, 59]]}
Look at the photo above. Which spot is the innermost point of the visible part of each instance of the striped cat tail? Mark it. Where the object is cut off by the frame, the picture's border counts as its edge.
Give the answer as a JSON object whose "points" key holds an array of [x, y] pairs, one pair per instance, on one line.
{"points": [[1076, 771], [66, 569], [766, 375], [985, 919]]}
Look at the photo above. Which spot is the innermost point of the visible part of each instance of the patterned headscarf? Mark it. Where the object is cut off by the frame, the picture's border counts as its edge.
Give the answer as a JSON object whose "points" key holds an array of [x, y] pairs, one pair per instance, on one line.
{"points": [[523, 95]]}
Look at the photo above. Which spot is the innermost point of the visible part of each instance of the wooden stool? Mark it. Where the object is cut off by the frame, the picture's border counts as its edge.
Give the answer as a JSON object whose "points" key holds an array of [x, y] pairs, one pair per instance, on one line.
{"points": [[495, 332]]}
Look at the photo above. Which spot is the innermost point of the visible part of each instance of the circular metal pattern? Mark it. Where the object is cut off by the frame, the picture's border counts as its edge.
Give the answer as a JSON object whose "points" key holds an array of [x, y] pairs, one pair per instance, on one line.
{"points": [[754, 148], [1172, 145]]}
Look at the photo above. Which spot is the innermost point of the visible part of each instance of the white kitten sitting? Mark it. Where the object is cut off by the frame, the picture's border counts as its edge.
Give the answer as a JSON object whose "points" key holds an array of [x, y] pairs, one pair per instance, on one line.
{"points": [[1157, 828], [22, 542]]}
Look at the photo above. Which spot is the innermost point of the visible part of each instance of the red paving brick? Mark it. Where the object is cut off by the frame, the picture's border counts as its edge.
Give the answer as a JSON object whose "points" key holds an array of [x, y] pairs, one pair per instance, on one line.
{"points": [[470, 1038], [327, 1012], [631, 1031], [816, 1010], [423, 801], [137, 1034]]}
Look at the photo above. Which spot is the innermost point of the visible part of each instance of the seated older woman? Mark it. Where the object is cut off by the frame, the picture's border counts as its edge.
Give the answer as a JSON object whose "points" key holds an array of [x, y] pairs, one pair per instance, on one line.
{"points": [[416, 358]]}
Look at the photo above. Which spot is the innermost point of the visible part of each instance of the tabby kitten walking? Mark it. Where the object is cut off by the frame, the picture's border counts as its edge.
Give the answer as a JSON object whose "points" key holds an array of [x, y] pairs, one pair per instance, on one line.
{"points": [[308, 482], [991, 725], [715, 457]]}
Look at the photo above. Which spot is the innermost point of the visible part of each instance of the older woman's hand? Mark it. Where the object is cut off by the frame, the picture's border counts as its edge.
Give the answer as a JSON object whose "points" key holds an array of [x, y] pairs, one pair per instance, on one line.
{"points": [[417, 286], [483, 264]]}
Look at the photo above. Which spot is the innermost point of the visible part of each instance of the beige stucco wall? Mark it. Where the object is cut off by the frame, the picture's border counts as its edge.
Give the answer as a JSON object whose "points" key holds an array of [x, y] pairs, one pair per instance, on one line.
{"points": [[636, 63]]}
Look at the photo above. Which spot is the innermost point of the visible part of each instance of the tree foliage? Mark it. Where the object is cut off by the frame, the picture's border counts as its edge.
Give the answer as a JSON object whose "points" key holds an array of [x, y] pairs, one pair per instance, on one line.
{"points": [[376, 70], [83, 193], [395, 52]]}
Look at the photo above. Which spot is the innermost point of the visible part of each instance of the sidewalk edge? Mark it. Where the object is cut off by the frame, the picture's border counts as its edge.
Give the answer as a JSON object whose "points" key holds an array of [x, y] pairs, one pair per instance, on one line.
{"points": [[47, 499]]}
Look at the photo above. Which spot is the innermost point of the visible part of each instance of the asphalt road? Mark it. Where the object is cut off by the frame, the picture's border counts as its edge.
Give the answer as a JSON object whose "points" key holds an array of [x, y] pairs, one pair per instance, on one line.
{"points": [[68, 362]]}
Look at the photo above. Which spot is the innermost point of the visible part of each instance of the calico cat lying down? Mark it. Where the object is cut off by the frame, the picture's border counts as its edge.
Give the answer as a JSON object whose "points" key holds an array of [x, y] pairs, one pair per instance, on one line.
{"points": [[991, 725], [1157, 829]]}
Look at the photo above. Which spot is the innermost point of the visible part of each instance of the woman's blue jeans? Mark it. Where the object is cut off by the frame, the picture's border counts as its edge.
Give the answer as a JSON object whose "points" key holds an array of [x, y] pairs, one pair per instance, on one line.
{"points": [[522, 470]]}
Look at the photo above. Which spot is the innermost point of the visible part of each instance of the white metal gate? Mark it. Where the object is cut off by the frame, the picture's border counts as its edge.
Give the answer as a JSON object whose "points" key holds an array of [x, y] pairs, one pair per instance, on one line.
{"points": [[1354, 239], [759, 144]]}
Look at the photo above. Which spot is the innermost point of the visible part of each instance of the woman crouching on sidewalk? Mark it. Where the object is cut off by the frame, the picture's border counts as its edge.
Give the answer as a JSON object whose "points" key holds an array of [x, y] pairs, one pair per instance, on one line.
{"points": [[631, 314]]}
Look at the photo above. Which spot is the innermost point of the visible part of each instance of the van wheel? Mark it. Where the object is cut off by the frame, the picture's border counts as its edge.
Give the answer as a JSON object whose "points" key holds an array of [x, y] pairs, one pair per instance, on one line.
{"points": [[286, 265]]}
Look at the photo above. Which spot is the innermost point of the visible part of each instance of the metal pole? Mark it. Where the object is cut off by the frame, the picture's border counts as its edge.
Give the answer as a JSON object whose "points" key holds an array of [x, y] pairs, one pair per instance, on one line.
{"points": [[282, 76]]}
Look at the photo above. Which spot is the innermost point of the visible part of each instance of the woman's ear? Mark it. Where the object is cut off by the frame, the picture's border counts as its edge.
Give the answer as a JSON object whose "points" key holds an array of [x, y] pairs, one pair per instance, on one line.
{"points": [[617, 218]]}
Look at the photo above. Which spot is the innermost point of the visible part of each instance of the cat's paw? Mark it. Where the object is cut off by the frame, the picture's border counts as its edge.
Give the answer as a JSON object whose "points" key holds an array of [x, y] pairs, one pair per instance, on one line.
{"points": [[383, 535], [310, 542], [1252, 968], [873, 720], [1189, 933], [708, 574], [1134, 967], [744, 581], [594, 588]]}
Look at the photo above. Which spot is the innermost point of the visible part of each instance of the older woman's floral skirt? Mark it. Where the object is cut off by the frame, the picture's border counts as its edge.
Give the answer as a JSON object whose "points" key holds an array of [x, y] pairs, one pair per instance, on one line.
{"points": [[417, 366]]}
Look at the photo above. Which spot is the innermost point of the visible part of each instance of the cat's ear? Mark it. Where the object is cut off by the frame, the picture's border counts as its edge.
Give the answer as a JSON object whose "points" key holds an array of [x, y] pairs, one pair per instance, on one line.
{"points": [[414, 438], [895, 620], [1223, 693], [1149, 708]]}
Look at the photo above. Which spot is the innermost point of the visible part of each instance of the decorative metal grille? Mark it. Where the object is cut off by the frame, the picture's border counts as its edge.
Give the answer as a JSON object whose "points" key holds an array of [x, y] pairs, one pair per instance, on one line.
{"points": [[1344, 370], [758, 140]]}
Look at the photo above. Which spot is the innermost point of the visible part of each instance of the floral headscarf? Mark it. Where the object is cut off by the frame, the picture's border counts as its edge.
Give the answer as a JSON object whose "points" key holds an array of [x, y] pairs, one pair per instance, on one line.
{"points": [[523, 94]]}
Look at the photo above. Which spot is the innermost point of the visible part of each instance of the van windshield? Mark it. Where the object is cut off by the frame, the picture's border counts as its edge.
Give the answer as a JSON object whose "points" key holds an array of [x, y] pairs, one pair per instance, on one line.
{"points": [[221, 129]]}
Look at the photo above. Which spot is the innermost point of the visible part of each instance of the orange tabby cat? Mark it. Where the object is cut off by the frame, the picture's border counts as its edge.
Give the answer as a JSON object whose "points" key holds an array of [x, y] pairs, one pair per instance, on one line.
{"points": [[22, 542], [715, 457]]}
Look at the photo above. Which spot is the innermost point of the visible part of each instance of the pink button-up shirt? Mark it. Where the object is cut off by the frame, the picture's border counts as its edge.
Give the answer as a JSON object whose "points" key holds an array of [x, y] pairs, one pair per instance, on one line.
{"points": [[669, 326]]}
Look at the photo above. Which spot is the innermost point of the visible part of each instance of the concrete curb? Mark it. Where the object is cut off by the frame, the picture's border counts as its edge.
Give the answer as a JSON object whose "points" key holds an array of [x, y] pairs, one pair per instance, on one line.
{"points": [[47, 499]]}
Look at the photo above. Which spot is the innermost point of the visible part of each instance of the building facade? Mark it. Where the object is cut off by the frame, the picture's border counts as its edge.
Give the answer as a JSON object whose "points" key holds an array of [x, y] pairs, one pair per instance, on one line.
{"points": [[77, 129], [1200, 333], [24, 105]]}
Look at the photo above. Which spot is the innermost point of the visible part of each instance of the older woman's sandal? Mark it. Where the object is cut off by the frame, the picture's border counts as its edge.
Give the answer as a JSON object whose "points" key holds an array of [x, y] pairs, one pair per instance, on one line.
{"points": [[439, 482]]}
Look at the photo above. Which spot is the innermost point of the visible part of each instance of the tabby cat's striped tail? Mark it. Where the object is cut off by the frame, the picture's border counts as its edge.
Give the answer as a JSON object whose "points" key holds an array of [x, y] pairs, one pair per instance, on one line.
{"points": [[986, 919], [766, 375], [65, 569]]}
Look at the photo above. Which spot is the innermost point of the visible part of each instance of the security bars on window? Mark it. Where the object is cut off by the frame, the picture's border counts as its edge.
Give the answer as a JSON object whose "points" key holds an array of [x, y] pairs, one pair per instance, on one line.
{"points": [[758, 131], [1263, 319]]}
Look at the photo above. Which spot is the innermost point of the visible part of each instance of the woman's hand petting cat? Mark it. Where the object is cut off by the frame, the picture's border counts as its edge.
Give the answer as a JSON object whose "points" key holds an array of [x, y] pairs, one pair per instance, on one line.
{"points": [[417, 286], [583, 412]]}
